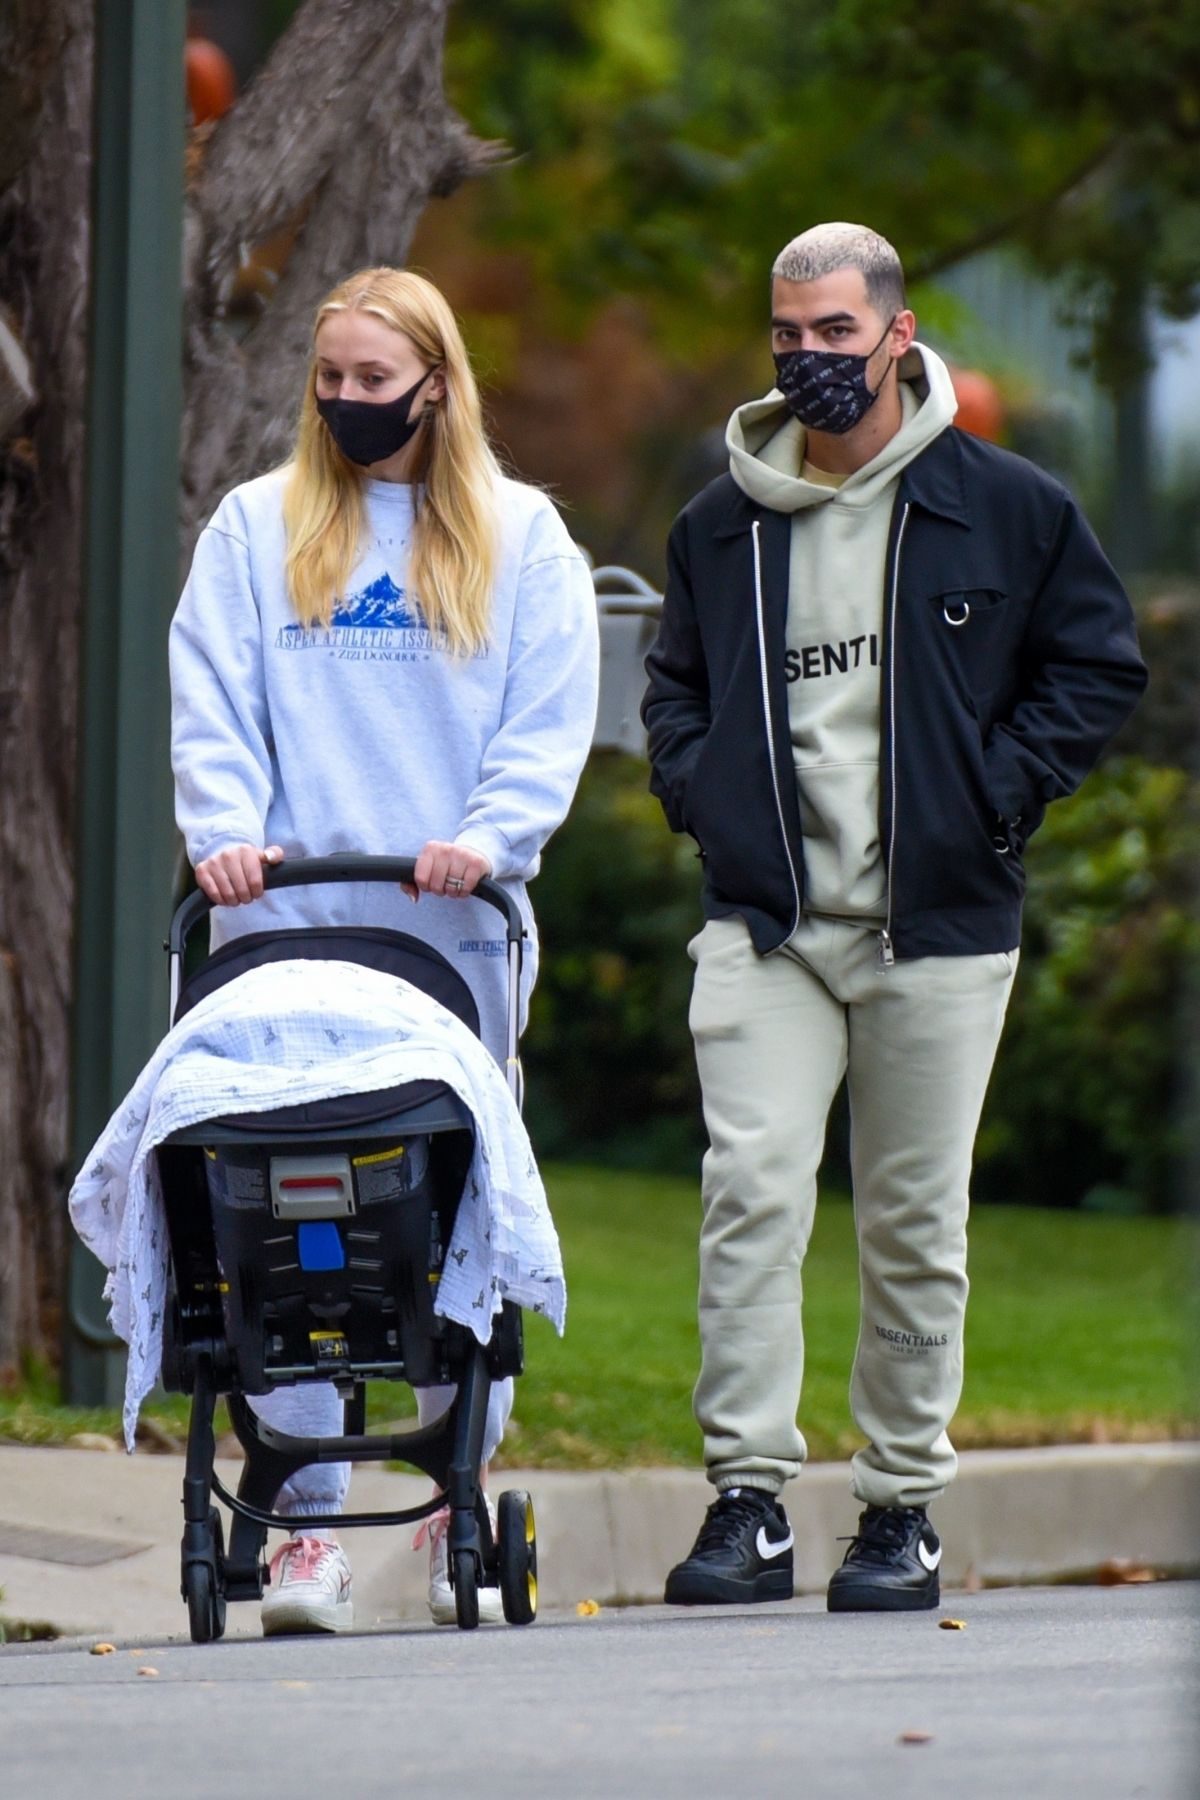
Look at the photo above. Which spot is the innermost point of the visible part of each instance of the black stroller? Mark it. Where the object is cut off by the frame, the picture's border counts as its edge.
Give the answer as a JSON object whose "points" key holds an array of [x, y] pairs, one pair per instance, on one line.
{"points": [[306, 1244]]}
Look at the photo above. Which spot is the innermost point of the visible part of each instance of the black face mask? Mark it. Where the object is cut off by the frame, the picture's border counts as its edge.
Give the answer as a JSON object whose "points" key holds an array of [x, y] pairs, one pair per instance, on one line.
{"points": [[369, 431], [827, 389]]}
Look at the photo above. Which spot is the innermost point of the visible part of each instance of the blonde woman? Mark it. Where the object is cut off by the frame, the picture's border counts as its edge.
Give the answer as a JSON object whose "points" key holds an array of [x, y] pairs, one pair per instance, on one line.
{"points": [[384, 644]]}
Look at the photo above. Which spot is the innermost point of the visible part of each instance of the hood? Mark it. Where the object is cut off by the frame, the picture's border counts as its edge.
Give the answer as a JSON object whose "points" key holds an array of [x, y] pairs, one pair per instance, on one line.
{"points": [[766, 442]]}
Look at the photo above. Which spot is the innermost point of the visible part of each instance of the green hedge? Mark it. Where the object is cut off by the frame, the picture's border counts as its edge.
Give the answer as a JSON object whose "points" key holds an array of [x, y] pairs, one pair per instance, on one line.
{"points": [[1088, 1100], [1086, 1104], [608, 1053]]}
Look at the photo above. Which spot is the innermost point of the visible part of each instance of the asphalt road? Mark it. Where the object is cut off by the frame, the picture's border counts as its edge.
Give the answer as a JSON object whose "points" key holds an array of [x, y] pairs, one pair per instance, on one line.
{"points": [[1047, 1692]]}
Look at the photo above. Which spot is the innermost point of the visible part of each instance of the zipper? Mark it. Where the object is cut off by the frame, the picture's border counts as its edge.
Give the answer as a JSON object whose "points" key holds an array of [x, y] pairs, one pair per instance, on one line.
{"points": [[887, 954], [766, 694]]}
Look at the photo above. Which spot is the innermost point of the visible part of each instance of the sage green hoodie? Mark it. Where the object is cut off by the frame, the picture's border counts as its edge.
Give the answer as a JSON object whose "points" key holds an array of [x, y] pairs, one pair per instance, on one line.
{"points": [[835, 624]]}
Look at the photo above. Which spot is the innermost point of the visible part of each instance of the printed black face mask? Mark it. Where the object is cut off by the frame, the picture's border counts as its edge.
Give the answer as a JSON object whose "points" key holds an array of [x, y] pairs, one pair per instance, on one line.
{"points": [[827, 389], [369, 431]]}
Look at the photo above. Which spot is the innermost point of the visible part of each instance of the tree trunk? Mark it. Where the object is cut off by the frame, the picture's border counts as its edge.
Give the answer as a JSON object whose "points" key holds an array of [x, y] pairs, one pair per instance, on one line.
{"points": [[44, 164], [340, 141]]}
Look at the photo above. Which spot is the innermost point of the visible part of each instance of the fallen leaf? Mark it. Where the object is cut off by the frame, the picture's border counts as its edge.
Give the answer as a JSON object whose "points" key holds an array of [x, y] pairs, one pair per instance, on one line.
{"points": [[103, 1649], [1118, 1571], [915, 1737], [952, 1624], [147, 1670], [587, 1609]]}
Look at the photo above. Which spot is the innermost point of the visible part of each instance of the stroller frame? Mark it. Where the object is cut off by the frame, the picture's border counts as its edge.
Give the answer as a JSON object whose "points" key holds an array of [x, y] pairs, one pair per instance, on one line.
{"points": [[197, 1359]]}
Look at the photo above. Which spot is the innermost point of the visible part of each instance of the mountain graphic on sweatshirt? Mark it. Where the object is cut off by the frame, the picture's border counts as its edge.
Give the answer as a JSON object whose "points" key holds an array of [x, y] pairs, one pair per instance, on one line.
{"points": [[381, 606]]}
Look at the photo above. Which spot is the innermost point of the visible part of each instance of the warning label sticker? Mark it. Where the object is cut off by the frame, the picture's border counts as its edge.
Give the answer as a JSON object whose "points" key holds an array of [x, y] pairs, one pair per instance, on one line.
{"points": [[240, 1186], [328, 1347], [390, 1174]]}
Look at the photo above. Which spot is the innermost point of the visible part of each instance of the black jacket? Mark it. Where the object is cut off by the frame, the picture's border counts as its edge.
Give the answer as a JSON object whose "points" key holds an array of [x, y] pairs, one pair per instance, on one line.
{"points": [[1009, 658]]}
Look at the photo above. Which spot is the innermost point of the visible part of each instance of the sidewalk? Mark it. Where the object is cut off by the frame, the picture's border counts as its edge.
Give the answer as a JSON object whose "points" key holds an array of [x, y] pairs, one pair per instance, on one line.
{"points": [[90, 1541]]}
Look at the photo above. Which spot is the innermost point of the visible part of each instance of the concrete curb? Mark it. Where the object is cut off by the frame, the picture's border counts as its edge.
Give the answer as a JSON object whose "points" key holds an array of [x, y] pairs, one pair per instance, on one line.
{"points": [[90, 1541]]}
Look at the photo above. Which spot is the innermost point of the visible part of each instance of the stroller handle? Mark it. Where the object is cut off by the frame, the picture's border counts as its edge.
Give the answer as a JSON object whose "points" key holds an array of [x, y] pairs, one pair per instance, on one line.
{"points": [[310, 871]]}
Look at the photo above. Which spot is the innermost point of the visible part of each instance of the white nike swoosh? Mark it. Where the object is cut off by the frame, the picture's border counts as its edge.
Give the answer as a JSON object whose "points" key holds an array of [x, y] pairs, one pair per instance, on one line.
{"points": [[769, 1547], [930, 1561]]}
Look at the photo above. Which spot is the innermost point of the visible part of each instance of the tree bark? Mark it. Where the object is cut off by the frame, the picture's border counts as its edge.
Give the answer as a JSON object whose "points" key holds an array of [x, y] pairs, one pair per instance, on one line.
{"points": [[342, 139], [45, 155], [344, 136]]}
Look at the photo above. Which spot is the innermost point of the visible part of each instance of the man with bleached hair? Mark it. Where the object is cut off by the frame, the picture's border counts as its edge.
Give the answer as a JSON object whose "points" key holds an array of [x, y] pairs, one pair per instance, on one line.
{"points": [[885, 647]]}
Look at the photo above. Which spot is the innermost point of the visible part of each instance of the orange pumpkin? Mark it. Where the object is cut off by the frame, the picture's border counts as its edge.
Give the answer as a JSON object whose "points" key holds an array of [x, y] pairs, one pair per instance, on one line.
{"points": [[211, 83], [980, 408]]}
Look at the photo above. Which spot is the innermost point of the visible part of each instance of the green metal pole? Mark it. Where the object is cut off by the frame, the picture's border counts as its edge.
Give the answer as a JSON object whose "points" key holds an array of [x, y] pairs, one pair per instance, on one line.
{"points": [[124, 835]]}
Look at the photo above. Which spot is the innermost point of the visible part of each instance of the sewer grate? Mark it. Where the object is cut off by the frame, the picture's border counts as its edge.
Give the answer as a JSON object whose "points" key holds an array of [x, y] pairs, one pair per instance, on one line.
{"points": [[81, 1552]]}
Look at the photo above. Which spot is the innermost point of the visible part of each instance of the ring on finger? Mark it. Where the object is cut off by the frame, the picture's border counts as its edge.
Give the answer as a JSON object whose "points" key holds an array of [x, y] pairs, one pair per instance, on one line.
{"points": [[456, 882]]}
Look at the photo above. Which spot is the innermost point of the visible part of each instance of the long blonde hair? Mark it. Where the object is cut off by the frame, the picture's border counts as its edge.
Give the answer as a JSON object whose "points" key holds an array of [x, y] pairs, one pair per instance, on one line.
{"points": [[453, 556]]}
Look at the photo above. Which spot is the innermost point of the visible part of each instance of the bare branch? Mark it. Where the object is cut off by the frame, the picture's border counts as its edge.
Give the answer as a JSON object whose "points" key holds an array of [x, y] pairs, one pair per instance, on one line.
{"points": [[1003, 230], [467, 156]]}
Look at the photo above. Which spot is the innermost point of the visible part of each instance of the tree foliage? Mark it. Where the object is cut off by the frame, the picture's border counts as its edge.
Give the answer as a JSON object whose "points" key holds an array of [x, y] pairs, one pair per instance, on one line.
{"points": [[1088, 1100], [1109, 88], [667, 147], [608, 1053]]}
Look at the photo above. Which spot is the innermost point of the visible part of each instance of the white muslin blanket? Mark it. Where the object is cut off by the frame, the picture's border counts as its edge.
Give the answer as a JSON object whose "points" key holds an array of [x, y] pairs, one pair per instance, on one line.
{"points": [[279, 1036]]}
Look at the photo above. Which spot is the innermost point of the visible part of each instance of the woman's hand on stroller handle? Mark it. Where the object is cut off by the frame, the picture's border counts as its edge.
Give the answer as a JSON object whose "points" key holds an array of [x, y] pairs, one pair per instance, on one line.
{"points": [[234, 877], [454, 870], [317, 871]]}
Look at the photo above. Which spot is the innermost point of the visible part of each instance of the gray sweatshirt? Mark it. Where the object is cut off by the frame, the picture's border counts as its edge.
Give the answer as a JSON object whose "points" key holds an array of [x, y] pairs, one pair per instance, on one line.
{"points": [[835, 625], [368, 735]]}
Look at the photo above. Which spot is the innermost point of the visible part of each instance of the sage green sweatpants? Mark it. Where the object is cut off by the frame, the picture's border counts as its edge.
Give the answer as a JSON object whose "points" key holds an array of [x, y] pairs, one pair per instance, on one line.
{"points": [[774, 1037]]}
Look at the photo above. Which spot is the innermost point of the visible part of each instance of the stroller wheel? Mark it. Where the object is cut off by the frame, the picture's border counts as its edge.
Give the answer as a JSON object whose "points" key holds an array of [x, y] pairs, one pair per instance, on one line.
{"points": [[517, 1545], [206, 1608], [465, 1576], [203, 1579]]}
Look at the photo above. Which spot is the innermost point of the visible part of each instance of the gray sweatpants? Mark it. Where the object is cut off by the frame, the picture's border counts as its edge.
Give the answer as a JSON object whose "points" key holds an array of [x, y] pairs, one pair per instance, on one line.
{"points": [[313, 1409], [774, 1037]]}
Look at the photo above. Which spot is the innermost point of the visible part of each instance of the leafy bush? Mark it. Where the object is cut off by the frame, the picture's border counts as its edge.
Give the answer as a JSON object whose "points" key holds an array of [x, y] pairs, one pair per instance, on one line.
{"points": [[1087, 1100], [608, 1053], [1086, 1103]]}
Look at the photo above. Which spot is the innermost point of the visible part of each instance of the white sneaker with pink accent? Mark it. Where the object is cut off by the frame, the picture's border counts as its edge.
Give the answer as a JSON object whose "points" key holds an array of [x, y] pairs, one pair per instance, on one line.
{"points": [[309, 1589], [441, 1594]]}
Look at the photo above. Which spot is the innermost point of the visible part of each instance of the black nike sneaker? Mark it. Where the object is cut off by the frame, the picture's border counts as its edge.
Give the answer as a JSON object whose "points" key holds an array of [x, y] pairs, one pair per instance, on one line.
{"points": [[891, 1566], [743, 1552]]}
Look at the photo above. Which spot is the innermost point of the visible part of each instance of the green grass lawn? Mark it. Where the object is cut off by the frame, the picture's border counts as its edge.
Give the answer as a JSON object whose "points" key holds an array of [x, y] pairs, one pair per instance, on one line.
{"points": [[1080, 1328]]}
